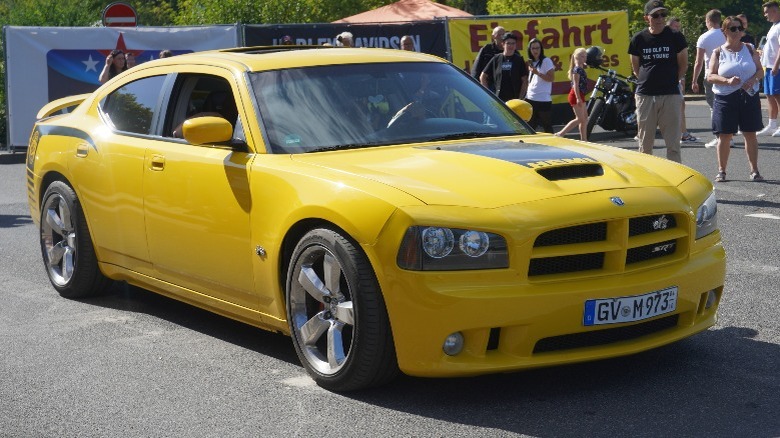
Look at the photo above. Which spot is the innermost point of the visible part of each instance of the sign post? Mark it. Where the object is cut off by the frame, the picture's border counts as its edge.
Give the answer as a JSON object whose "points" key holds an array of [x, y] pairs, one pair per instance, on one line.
{"points": [[119, 14]]}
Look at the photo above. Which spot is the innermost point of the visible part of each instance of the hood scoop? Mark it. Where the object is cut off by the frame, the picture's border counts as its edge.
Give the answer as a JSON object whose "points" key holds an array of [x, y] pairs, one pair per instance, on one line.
{"points": [[571, 171], [552, 163]]}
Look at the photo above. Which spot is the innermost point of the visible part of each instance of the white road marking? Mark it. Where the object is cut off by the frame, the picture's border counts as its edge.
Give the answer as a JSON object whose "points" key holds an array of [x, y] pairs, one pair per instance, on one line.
{"points": [[301, 381], [764, 215]]}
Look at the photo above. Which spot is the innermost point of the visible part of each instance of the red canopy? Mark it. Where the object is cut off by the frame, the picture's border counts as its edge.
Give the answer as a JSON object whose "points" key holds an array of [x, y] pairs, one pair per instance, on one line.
{"points": [[406, 10]]}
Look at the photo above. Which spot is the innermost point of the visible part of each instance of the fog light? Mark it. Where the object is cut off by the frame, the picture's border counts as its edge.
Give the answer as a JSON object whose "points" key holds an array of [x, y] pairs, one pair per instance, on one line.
{"points": [[453, 344], [711, 298]]}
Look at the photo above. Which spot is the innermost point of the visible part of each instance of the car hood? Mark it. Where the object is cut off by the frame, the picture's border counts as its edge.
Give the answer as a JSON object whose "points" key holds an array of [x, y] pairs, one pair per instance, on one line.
{"points": [[495, 173]]}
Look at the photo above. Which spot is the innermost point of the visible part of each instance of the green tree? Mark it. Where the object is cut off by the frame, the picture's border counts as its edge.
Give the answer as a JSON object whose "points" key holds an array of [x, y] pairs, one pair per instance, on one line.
{"points": [[266, 12], [473, 7]]}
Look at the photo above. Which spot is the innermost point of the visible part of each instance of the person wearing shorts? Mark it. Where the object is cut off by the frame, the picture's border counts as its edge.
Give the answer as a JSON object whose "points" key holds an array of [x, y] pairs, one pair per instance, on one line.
{"points": [[735, 72], [770, 60], [579, 87]]}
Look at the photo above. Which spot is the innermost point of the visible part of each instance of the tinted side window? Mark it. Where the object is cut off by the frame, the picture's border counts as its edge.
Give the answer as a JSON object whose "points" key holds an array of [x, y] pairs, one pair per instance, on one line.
{"points": [[196, 95], [131, 107]]}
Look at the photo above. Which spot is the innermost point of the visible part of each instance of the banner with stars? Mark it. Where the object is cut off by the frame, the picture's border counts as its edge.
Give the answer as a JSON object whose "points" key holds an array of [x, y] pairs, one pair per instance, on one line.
{"points": [[47, 63]]}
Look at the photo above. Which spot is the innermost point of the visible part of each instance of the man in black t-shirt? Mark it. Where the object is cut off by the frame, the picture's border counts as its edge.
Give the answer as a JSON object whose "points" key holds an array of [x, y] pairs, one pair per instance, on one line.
{"points": [[487, 52], [507, 72], [659, 59], [746, 38]]}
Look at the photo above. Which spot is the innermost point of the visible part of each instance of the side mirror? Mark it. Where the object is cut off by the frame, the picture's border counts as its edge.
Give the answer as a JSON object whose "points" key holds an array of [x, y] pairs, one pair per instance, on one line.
{"points": [[521, 108], [207, 130]]}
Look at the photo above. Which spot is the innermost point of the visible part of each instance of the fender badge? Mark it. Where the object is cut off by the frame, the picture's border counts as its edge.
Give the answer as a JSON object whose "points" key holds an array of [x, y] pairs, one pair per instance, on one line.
{"points": [[617, 201]]}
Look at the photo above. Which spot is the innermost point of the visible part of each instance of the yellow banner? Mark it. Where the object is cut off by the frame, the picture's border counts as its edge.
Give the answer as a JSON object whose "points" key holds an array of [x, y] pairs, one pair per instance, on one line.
{"points": [[559, 34]]}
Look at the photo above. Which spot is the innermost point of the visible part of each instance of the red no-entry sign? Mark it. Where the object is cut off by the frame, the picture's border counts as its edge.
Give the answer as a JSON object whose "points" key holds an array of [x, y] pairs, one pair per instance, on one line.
{"points": [[119, 15]]}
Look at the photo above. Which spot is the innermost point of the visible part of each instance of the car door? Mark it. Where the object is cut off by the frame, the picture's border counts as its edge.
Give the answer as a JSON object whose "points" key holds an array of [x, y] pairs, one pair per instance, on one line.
{"points": [[109, 169], [197, 203]]}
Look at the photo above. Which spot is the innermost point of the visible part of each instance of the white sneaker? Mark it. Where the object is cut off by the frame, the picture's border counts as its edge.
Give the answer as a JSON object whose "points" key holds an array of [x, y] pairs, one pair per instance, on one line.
{"points": [[768, 130], [712, 143], [776, 133]]}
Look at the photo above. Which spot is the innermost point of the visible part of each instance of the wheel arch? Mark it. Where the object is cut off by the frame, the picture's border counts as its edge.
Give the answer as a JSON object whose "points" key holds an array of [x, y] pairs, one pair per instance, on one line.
{"points": [[46, 181], [365, 370], [295, 233]]}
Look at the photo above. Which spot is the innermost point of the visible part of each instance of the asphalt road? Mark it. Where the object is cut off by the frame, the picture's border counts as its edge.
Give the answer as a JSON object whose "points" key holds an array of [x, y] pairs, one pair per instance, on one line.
{"points": [[134, 364]]}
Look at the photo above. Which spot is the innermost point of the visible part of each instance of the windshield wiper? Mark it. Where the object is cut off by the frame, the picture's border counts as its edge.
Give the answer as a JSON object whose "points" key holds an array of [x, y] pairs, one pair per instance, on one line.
{"points": [[340, 147], [461, 135]]}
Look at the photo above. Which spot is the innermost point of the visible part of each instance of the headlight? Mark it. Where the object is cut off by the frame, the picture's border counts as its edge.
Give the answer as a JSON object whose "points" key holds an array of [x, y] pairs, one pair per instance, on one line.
{"points": [[437, 242], [707, 217], [451, 249]]}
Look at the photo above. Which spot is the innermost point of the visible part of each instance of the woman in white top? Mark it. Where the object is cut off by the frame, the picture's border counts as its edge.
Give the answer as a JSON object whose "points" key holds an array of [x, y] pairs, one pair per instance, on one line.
{"points": [[541, 73], [735, 72]]}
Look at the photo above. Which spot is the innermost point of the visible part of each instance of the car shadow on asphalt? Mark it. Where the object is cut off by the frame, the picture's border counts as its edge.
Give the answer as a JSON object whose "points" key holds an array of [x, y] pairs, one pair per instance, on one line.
{"points": [[713, 384], [12, 158], [124, 297], [14, 220], [755, 203]]}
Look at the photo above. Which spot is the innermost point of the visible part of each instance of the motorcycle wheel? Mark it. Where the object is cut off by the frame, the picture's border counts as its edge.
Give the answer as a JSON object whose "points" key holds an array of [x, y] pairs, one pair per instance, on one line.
{"points": [[595, 114]]}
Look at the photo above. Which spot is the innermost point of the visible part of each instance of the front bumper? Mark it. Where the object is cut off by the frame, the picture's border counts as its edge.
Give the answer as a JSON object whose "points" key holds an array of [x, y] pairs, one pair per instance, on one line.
{"points": [[511, 320], [502, 325]]}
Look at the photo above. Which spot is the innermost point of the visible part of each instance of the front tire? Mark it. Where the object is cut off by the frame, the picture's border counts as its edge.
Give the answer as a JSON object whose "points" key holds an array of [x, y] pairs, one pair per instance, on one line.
{"points": [[66, 245], [595, 114], [337, 315]]}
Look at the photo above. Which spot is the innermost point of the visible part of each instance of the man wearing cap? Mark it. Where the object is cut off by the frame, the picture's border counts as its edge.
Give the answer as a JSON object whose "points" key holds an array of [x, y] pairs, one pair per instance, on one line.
{"points": [[344, 39], [487, 52], [287, 40], [506, 72], [659, 59]]}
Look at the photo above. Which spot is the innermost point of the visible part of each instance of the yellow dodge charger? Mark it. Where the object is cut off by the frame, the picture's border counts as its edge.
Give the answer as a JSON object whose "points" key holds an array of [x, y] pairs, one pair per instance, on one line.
{"points": [[379, 206]]}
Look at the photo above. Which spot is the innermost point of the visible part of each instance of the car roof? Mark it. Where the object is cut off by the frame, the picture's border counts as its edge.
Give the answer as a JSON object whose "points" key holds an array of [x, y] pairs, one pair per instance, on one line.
{"points": [[278, 57]]}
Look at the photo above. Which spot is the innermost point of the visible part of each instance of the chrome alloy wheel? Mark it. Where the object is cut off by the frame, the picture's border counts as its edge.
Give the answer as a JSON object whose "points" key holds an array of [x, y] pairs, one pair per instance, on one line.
{"points": [[321, 310], [58, 238]]}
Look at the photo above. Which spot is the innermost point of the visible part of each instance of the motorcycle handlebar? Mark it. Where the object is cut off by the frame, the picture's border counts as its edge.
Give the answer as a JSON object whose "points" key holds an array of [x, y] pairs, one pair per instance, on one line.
{"points": [[632, 79]]}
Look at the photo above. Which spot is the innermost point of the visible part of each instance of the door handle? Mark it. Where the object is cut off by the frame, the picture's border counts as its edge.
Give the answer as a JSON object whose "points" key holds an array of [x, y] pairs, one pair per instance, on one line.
{"points": [[157, 163]]}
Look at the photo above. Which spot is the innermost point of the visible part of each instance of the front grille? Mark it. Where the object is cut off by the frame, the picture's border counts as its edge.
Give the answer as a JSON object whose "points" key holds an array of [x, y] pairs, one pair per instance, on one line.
{"points": [[606, 336], [575, 234], [650, 224], [564, 264], [612, 246], [652, 251]]}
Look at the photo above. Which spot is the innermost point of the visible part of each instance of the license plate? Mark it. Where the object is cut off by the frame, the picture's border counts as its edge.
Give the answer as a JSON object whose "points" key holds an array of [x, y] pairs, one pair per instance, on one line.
{"points": [[628, 309]]}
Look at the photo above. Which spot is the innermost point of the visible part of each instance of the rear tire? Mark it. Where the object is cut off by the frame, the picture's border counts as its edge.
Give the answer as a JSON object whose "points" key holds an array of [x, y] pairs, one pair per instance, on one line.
{"points": [[337, 315], [595, 113], [66, 245]]}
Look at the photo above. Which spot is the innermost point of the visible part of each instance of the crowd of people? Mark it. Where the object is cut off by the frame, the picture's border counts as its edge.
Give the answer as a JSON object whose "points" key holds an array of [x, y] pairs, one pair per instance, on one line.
{"points": [[728, 69], [118, 61]]}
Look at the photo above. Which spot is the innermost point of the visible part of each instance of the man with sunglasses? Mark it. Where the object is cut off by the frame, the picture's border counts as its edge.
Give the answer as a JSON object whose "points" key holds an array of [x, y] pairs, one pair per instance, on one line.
{"points": [[659, 59], [706, 43]]}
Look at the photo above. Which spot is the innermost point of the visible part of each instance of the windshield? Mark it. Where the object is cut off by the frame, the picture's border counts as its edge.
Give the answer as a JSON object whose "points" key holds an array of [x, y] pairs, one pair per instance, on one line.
{"points": [[362, 105]]}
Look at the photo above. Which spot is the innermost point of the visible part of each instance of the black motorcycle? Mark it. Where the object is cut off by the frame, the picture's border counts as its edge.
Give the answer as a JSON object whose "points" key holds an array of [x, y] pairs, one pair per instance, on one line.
{"points": [[611, 104]]}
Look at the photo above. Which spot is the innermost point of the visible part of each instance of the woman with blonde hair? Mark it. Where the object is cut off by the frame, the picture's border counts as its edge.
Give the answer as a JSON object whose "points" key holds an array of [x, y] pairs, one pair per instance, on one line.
{"points": [[579, 87]]}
